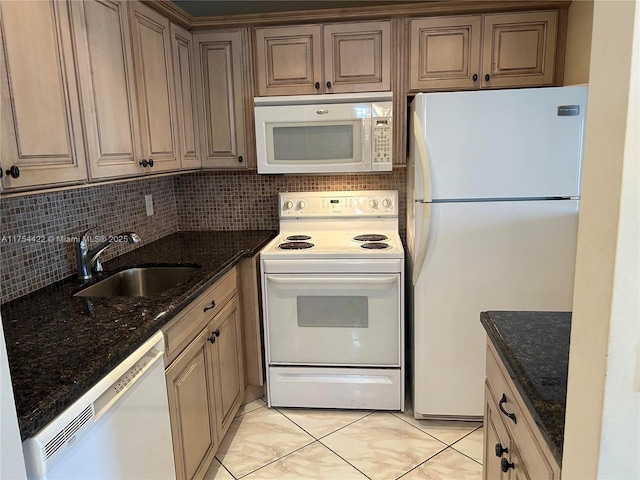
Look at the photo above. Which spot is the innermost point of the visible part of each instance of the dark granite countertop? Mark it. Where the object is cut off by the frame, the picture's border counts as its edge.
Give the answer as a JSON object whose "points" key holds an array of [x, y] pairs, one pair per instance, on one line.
{"points": [[59, 345], [534, 347]]}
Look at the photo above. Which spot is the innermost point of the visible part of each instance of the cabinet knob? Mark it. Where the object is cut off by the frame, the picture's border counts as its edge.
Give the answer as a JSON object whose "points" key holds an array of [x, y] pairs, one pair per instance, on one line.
{"points": [[475, 77], [317, 85], [328, 84], [151, 162], [212, 339], [505, 465], [500, 450], [240, 159], [216, 332], [487, 77], [510, 415], [211, 305], [14, 171], [144, 163]]}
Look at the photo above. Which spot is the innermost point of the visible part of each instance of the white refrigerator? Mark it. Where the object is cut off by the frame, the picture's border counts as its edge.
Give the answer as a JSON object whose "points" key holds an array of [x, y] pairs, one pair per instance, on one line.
{"points": [[493, 194]]}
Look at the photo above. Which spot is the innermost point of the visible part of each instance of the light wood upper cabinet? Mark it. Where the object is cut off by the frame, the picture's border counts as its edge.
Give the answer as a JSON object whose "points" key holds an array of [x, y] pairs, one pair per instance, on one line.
{"points": [[357, 57], [42, 136], [445, 52], [126, 78], [289, 60], [519, 49], [220, 67], [192, 408], [108, 87], [332, 58], [155, 87], [185, 83], [483, 51]]}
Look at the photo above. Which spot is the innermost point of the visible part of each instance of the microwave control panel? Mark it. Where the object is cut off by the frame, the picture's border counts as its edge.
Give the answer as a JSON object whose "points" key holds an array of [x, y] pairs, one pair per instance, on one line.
{"points": [[382, 143]]}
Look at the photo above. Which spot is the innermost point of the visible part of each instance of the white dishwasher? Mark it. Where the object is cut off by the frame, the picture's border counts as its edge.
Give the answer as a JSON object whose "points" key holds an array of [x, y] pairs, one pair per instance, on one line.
{"points": [[119, 429]]}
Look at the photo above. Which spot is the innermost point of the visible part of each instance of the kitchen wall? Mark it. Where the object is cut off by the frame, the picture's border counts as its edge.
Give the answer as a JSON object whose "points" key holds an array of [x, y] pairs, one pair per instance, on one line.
{"points": [[33, 255]]}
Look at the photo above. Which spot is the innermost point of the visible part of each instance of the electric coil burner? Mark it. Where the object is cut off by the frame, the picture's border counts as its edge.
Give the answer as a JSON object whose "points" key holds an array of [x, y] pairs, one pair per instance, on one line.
{"points": [[334, 313], [370, 237], [295, 245]]}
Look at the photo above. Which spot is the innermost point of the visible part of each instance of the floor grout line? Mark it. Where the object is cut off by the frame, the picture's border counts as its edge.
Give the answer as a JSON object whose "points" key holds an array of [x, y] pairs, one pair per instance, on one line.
{"points": [[422, 463], [276, 459], [344, 459]]}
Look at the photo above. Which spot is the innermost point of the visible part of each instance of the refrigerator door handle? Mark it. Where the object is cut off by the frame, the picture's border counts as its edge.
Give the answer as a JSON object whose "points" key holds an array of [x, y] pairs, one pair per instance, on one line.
{"points": [[423, 161], [422, 242], [425, 175]]}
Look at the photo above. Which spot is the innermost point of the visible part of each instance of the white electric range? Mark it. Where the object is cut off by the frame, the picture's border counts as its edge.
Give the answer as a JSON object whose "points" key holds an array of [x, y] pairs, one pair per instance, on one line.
{"points": [[333, 302]]}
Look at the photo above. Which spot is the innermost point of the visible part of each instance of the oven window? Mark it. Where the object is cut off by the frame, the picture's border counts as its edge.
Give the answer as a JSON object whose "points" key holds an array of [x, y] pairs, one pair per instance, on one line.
{"points": [[313, 142], [332, 311]]}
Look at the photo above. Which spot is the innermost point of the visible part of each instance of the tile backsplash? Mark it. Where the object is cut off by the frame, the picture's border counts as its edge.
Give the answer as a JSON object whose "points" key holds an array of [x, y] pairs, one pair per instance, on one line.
{"points": [[33, 228], [245, 200]]}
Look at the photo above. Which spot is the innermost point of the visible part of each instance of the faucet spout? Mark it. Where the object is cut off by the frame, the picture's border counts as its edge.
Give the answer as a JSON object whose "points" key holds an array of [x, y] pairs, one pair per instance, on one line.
{"points": [[89, 260]]}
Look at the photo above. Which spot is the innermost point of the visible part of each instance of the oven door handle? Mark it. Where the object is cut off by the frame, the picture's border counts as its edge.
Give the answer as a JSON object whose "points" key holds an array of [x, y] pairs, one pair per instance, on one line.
{"points": [[297, 280]]}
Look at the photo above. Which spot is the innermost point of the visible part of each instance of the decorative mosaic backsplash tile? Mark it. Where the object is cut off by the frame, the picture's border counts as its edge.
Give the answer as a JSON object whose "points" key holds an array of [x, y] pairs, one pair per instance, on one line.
{"points": [[35, 230], [245, 200], [34, 253]]}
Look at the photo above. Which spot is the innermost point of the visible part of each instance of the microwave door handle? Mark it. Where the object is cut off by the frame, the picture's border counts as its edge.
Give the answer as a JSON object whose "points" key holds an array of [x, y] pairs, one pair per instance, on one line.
{"points": [[366, 141]]}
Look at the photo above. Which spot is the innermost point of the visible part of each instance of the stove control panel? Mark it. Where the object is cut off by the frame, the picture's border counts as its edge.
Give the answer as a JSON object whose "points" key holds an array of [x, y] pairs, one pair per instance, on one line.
{"points": [[373, 203]]}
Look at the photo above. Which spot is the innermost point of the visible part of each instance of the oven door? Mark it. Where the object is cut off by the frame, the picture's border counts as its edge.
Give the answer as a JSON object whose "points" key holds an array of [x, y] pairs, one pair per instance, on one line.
{"points": [[341, 319]]}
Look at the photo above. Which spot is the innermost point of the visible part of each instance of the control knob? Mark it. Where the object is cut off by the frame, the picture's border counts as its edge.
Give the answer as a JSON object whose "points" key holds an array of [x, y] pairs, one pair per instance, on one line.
{"points": [[288, 204], [373, 203], [386, 203], [302, 204]]}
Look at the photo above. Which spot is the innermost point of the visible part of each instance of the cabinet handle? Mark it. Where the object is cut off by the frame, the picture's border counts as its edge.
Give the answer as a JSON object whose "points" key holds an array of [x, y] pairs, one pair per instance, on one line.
{"points": [[212, 339], [510, 415], [475, 77], [151, 162], [212, 305], [144, 163], [240, 159], [14, 171], [505, 465], [317, 85], [487, 77], [500, 450], [216, 332], [328, 84]]}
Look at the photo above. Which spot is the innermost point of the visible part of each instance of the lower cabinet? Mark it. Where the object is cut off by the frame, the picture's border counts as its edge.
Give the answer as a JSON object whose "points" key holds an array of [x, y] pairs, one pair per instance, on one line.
{"points": [[205, 375], [513, 447]]}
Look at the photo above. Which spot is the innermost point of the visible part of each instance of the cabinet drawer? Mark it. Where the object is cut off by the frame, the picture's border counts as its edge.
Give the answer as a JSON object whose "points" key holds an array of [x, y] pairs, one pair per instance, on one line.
{"points": [[185, 327], [534, 459]]}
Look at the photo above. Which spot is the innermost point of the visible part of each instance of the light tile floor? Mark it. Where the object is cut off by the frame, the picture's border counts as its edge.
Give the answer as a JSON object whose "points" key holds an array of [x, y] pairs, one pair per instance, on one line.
{"points": [[289, 443]]}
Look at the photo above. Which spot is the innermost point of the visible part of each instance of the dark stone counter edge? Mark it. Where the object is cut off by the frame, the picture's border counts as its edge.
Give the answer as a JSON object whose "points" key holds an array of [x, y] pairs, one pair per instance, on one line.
{"points": [[507, 358], [31, 423]]}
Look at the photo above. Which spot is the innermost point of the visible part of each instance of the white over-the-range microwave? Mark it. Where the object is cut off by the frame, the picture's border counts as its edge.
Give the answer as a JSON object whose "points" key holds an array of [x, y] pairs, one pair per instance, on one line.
{"points": [[337, 133]]}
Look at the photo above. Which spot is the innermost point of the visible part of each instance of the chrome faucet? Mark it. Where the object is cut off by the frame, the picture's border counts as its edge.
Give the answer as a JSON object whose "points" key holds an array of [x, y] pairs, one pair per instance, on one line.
{"points": [[88, 261]]}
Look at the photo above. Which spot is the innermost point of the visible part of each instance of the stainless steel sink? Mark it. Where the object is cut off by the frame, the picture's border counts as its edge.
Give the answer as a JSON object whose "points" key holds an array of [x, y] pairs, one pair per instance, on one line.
{"points": [[139, 282]]}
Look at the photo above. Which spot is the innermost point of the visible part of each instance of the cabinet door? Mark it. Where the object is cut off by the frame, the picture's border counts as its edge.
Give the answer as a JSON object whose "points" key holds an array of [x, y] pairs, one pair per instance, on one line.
{"points": [[495, 435], [41, 121], [108, 87], [228, 368], [289, 60], [192, 408], [444, 52], [156, 91], [185, 82], [357, 57], [519, 49], [220, 97]]}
